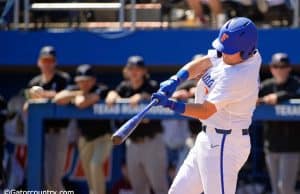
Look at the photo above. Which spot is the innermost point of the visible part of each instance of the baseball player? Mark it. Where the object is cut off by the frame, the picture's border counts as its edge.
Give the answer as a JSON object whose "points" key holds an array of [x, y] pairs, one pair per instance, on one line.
{"points": [[225, 99]]}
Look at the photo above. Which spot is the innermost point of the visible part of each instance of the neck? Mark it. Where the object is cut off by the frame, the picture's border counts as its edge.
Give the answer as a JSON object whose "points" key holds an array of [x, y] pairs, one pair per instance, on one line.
{"points": [[281, 81], [136, 84], [47, 76]]}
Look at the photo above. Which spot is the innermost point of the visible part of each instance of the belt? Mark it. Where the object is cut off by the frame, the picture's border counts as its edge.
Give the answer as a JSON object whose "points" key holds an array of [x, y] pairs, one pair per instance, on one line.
{"points": [[142, 139], [225, 131], [53, 130]]}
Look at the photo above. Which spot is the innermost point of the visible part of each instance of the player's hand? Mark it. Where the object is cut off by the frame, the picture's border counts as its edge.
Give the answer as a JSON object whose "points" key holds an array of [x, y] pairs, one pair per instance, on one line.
{"points": [[78, 101], [169, 86], [111, 98], [36, 92], [164, 101], [161, 97], [135, 99], [270, 99]]}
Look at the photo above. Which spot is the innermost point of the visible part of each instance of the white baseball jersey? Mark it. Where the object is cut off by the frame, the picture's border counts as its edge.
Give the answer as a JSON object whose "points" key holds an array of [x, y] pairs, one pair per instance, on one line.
{"points": [[223, 147], [233, 89]]}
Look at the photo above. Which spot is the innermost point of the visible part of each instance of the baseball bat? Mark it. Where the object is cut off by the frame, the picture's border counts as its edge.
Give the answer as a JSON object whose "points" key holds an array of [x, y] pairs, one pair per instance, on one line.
{"points": [[127, 128]]}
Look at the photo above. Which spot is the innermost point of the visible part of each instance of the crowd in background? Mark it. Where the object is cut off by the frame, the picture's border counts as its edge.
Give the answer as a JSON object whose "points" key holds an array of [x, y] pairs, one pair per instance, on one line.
{"points": [[156, 149], [197, 13]]}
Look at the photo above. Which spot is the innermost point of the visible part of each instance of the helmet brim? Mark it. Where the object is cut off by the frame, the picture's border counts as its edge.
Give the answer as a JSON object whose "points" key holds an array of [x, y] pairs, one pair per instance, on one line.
{"points": [[216, 44]]}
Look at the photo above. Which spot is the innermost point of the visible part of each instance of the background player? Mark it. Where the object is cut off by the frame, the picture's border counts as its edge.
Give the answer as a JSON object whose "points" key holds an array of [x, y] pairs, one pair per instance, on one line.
{"points": [[146, 156], [281, 138], [51, 80], [226, 96]]}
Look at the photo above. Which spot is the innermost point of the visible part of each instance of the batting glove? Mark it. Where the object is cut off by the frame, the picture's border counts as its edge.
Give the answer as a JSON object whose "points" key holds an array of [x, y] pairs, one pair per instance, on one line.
{"points": [[164, 101], [169, 86]]}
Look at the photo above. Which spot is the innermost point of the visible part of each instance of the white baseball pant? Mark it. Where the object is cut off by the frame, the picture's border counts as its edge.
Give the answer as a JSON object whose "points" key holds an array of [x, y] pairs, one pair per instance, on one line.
{"points": [[213, 163]]}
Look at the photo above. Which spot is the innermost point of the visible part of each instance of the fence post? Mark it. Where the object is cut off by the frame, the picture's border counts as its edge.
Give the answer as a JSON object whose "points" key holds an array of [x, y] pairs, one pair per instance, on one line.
{"points": [[35, 141]]}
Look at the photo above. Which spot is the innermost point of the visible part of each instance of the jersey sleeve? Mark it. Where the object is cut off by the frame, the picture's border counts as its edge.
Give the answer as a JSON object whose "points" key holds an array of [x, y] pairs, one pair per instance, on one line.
{"points": [[34, 82], [213, 56], [102, 91]]}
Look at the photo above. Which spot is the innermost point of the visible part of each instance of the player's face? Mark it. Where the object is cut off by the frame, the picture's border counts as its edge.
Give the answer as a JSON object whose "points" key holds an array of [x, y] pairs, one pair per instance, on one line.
{"points": [[47, 63], [135, 73], [232, 59], [86, 85], [280, 73]]}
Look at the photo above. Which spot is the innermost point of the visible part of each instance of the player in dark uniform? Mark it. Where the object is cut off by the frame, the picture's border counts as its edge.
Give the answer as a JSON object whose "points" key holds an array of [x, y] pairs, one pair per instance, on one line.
{"points": [[94, 141], [281, 138], [146, 153], [51, 81]]}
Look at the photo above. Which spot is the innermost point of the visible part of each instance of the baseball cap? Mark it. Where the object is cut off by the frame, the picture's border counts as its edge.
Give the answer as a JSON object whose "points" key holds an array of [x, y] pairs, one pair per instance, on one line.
{"points": [[47, 51], [280, 59], [84, 72], [135, 61]]}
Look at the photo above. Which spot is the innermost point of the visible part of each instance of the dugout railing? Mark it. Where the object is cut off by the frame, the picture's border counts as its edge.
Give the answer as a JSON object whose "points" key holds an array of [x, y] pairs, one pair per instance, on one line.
{"points": [[40, 111]]}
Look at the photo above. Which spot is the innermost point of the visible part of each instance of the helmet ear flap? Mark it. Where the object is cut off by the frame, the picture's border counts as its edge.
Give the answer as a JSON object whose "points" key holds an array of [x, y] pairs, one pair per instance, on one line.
{"points": [[245, 56], [242, 55]]}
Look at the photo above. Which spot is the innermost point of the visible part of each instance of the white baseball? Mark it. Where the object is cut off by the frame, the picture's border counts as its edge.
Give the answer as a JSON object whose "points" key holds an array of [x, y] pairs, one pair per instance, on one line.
{"points": [[36, 89]]}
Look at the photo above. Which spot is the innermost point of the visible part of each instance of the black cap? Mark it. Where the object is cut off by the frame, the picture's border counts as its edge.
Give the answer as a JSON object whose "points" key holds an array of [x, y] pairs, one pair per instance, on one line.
{"points": [[48, 51], [84, 72], [136, 61], [280, 59]]}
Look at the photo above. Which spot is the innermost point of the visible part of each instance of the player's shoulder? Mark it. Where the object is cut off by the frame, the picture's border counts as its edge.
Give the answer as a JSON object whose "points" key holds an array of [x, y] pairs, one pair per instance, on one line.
{"points": [[295, 78], [102, 87], [72, 87], [214, 56], [268, 82], [63, 75], [36, 80], [152, 82]]}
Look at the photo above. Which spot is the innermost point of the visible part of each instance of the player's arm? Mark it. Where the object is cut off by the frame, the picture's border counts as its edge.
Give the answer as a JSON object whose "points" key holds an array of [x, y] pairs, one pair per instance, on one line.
{"points": [[197, 67], [48, 94], [195, 110], [112, 97], [66, 96], [200, 111], [84, 101], [191, 70]]}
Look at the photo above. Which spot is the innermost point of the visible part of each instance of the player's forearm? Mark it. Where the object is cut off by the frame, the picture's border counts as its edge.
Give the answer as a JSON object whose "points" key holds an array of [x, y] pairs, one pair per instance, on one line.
{"points": [[199, 111], [89, 100], [198, 67], [65, 96]]}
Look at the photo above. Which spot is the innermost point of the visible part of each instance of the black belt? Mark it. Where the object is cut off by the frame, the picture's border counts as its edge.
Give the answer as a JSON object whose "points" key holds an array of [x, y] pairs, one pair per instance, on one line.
{"points": [[224, 131], [53, 130], [141, 139]]}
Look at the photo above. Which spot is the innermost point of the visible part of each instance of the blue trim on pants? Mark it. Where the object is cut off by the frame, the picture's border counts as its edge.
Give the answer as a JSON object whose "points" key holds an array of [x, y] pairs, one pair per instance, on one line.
{"points": [[221, 162]]}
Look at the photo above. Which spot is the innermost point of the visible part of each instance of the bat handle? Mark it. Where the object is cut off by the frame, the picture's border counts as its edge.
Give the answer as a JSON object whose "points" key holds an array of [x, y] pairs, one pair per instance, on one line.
{"points": [[119, 136], [153, 102]]}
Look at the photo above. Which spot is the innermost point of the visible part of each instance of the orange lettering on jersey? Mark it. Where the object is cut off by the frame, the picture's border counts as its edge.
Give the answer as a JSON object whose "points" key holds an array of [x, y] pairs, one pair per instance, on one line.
{"points": [[224, 37], [206, 90]]}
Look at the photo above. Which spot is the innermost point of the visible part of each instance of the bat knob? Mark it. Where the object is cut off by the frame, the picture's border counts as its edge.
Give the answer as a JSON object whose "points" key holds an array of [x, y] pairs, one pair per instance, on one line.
{"points": [[116, 140]]}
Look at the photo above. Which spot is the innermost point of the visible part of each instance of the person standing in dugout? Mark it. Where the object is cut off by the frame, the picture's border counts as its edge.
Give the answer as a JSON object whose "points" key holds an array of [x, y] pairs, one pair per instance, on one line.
{"points": [[51, 81], [146, 153], [94, 142], [281, 138]]}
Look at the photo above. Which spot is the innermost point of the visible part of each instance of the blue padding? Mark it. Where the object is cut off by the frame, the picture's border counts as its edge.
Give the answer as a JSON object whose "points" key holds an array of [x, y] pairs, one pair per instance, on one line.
{"points": [[171, 47]]}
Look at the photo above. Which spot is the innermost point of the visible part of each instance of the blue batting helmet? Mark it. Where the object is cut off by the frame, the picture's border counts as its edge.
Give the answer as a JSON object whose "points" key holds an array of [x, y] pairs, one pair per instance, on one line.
{"points": [[237, 35]]}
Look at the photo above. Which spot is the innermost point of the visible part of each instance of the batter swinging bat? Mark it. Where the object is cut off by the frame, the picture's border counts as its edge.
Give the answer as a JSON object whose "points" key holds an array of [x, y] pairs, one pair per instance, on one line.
{"points": [[127, 128]]}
